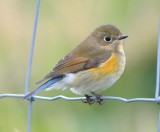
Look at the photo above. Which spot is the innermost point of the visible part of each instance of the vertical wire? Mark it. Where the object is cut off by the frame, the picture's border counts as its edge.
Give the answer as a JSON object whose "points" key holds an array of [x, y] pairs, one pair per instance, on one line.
{"points": [[29, 116], [30, 64], [32, 47], [159, 123], [158, 74], [158, 66]]}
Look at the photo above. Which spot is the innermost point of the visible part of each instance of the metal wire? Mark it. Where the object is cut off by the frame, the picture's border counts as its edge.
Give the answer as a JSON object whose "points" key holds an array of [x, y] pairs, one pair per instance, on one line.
{"points": [[30, 64], [157, 100], [32, 47], [158, 74], [29, 116], [158, 66], [159, 122]]}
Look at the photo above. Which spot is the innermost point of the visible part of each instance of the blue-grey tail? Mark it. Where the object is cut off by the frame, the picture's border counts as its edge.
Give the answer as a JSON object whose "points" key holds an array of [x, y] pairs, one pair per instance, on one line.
{"points": [[43, 86]]}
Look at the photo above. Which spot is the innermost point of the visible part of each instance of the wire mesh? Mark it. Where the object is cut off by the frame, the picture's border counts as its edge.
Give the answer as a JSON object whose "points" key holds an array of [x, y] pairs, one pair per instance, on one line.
{"points": [[8, 95]]}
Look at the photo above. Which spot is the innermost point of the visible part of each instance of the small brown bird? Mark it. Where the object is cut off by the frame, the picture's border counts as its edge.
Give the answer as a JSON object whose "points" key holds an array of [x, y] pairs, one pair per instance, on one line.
{"points": [[93, 66]]}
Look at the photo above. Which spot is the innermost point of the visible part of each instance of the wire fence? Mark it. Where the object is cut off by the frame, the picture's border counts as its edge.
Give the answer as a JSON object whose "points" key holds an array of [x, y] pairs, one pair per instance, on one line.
{"points": [[8, 95]]}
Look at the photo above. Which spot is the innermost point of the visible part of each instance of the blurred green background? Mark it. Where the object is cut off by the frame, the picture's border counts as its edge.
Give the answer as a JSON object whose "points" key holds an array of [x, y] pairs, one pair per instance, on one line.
{"points": [[63, 25]]}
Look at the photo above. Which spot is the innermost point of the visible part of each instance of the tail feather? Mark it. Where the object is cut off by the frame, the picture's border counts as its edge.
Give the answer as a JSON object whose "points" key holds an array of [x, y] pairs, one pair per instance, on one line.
{"points": [[43, 86]]}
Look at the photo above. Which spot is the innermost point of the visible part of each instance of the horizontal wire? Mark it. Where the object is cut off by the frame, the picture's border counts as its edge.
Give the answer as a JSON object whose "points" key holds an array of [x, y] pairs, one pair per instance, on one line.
{"points": [[157, 100]]}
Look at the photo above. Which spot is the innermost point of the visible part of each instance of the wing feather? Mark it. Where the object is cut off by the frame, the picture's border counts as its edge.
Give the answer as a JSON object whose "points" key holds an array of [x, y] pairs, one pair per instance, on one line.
{"points": [[73, 64]]}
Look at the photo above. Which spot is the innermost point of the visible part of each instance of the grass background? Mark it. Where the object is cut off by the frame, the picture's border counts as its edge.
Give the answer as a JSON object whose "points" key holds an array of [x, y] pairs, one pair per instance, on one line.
{"points": [[63, 25]]}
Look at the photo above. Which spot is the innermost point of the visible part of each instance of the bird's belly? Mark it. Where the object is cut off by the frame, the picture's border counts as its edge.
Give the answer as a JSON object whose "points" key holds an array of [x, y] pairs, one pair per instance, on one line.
{"points": [[96, 79]]}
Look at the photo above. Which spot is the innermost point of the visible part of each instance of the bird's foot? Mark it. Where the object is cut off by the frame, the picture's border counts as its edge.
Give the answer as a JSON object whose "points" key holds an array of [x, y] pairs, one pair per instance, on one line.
{"points": [[88, 100], [99, 99]]}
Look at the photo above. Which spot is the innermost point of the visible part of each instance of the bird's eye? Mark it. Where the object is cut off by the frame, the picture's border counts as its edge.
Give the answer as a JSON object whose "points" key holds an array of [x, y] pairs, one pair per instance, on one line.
{"points": [[107, 39]]}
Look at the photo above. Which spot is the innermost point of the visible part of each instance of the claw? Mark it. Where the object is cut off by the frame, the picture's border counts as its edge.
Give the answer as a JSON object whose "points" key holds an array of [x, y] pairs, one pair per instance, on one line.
{"points": [[88, 100], [99, 99]]}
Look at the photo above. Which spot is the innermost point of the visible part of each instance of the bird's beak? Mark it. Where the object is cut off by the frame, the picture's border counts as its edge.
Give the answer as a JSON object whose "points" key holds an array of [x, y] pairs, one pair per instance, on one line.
{"points": [[122, 37]]}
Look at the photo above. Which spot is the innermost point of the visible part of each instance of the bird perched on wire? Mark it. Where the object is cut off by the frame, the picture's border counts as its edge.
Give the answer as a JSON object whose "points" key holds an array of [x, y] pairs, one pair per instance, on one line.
{"points": [[93, 66]]}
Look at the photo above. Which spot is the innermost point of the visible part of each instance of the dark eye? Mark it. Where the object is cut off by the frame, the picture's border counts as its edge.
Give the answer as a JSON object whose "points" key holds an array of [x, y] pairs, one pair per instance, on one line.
{"points": [[107, 39]]}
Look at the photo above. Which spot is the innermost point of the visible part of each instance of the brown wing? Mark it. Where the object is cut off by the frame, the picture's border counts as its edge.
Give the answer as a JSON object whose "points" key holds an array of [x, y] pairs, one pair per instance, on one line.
{"points": [[73, 64]]}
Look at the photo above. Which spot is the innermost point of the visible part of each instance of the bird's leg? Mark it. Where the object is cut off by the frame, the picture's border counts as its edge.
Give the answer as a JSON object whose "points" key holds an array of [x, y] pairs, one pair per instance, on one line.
{"points": [[88, 100], [98, 98]]}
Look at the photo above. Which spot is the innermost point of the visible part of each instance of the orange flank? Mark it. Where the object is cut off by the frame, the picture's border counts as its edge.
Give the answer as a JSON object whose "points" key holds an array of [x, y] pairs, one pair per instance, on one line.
{"points": [[109, 67]]}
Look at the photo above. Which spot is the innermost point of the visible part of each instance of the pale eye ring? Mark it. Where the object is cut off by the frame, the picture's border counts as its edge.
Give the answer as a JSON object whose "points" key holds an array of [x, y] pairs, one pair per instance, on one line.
{"points": [[107, 39]]}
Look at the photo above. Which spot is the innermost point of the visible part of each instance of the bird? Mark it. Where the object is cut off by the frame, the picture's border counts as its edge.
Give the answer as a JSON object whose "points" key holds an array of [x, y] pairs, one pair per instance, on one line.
{"points": [[91, 67]]}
